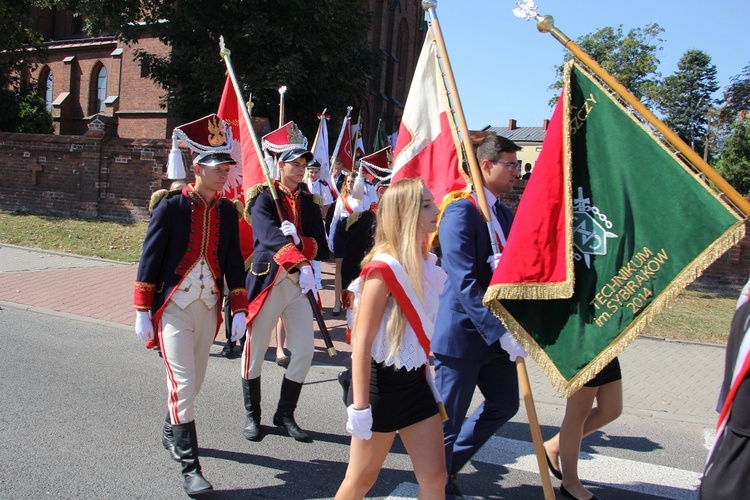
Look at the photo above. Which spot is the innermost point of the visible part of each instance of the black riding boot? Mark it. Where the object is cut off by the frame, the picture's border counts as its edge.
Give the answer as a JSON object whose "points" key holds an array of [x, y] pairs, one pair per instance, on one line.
{"points": [[251, 395], [167, 438], [284, 416], [186, 447], [228, 350]]}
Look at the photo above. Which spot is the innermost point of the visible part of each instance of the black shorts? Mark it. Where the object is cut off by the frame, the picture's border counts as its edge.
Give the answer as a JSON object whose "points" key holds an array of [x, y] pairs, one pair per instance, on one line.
{"points": [[609, 373], [399, 398]]}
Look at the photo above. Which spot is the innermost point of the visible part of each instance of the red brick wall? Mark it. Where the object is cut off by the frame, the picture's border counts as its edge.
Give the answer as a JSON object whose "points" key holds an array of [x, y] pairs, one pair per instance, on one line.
{"points": [[114, 178], [84, 176]]}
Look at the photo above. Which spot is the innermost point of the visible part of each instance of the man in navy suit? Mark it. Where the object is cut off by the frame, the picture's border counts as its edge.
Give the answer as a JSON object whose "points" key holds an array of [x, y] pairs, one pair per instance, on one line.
{"points": [[471, 347]]}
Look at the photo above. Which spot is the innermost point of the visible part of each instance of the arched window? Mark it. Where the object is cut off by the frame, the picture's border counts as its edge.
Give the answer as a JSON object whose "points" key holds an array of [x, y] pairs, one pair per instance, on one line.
{"points": [[101, 89]]}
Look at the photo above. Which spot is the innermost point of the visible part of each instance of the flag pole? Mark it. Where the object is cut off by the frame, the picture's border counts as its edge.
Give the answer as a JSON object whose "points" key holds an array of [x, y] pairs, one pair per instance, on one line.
{"points": [[546, 24], [341, 135], [225, 54], [476, 175], [356, 137], [317, 132], [282, 93], [377, 137]]}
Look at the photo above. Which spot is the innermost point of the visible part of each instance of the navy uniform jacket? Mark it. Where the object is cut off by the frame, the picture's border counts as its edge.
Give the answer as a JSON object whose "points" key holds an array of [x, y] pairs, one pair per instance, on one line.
{"points": [[273, 250], [464, 328], [182, 229]]}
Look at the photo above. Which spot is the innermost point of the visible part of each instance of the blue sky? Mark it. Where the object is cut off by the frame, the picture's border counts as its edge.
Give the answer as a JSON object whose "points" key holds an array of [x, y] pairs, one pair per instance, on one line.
{"points": [[503, 65]]}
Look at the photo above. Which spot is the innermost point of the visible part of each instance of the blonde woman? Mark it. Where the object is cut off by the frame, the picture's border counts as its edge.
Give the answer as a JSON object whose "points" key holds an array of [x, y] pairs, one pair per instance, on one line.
{"points": [[396, 299]]}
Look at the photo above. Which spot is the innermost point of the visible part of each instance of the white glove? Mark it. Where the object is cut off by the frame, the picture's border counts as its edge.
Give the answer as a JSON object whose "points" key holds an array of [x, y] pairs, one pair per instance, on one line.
{"points": [[493, 260], [307, 280], [358, 191], [238, 326], [330, 244], [289, 229], [512, 347], [143, 326], [359, 424]]}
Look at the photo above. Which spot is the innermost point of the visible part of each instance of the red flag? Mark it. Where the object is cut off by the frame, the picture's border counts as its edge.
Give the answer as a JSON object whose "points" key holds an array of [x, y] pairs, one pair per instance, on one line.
{"points": [[248, 173], [345, 148], [427, 144], [538, 249]]}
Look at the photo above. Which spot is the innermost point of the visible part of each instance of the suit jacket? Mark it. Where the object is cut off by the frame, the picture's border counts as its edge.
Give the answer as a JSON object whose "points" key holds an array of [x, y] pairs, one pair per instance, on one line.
{"points": [[464, 328]]}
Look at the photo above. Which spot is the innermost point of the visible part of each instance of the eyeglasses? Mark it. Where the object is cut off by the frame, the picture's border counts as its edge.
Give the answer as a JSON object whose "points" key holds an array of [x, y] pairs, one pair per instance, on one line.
{"points": [[509, 164]]}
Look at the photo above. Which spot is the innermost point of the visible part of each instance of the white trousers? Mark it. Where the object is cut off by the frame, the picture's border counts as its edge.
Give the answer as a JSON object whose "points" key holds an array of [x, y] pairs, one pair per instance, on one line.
{"points": [[185, 342], [285, 301]]}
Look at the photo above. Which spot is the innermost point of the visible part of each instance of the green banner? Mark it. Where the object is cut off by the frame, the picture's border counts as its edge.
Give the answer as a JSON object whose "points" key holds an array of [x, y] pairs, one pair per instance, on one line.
{"points": [[644, 226]]}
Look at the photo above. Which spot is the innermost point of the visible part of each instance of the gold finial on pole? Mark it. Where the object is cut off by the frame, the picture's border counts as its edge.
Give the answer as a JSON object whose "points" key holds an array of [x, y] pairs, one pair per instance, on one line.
{"points": [[282, 92], [546, 24]]}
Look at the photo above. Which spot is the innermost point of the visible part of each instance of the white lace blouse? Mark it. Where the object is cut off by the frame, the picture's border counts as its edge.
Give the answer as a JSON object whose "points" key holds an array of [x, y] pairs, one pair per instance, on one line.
{"points": [[410, 354]]}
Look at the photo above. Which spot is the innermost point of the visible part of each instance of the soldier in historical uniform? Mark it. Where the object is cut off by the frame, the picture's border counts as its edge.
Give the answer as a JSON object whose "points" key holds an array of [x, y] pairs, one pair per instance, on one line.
{"points": [[191, 246], [322, 195], [279, 277]]}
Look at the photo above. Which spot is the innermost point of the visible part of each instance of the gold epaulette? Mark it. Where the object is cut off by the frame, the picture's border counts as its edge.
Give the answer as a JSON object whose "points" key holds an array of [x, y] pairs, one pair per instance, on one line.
{"points": [[352, 219], [447, 200], [250, 195], [240, 207], [254, 191], [159, 195], [318, 200]]}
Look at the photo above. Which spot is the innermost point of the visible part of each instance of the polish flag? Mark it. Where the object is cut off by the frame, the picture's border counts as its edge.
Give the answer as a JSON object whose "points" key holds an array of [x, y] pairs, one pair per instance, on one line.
{"points": [[427, 144], [247, 172]]}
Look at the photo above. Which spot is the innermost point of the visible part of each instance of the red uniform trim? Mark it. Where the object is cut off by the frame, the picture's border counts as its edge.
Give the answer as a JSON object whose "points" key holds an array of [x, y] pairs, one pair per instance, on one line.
{"points": [[238, 300], [143, 295], [309, 247], [289, 256]]}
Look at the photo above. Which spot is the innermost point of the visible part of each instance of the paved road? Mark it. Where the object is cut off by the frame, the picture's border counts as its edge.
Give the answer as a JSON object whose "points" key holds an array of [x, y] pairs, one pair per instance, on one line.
{"points": [[80, 407]]}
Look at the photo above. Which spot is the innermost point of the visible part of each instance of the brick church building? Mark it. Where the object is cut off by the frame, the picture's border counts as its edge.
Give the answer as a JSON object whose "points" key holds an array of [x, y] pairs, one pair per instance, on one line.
{"points": [[86, 76]]}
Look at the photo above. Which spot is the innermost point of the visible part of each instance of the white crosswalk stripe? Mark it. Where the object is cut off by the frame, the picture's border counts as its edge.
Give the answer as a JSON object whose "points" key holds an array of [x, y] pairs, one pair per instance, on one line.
{"points": [[629, 475]]}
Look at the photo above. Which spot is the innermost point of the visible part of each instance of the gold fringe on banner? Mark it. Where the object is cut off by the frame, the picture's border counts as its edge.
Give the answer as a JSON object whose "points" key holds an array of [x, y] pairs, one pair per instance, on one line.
{"points": [[565, 387]]}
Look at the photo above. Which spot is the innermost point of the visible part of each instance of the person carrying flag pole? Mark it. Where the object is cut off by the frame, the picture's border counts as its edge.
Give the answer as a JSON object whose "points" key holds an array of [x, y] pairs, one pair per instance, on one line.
{"points": [[288, 234], [442, 136]]}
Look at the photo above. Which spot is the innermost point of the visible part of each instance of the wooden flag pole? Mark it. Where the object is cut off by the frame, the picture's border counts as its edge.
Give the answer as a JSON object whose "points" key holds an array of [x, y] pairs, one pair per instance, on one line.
{"points": [[546, 24], [317, 314], [476, 175], [282, 94]]}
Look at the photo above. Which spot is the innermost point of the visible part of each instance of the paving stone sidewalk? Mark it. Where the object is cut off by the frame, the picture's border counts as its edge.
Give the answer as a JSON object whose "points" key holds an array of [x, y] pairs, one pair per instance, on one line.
{"points": [[672, 380]]}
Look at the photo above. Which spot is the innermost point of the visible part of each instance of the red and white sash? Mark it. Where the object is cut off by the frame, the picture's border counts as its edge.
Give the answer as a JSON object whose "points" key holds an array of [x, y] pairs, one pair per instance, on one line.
{"points": [[406, 298], [741, 369]]}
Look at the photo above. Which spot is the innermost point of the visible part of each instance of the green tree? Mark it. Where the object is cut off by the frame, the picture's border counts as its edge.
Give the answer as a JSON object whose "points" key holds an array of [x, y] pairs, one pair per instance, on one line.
{"points": [[686, 97], [629, 57], [734, 164], [20, 46], [317, 49], [737, 97]]}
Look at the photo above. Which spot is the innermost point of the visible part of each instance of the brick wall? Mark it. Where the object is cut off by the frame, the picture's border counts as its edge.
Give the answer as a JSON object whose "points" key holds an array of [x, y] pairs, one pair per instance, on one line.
{"points": [[79, 175], [114, 178]]}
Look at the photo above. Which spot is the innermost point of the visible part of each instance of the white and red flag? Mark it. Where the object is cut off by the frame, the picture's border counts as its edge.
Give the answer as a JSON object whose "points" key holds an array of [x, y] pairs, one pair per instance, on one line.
{"points": [[345, 144], [247, 172], [427, 144]]}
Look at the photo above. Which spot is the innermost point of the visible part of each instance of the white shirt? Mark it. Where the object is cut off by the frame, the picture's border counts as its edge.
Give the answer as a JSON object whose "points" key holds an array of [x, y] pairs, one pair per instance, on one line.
{"points": [[410, 354], [317, 187]]}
